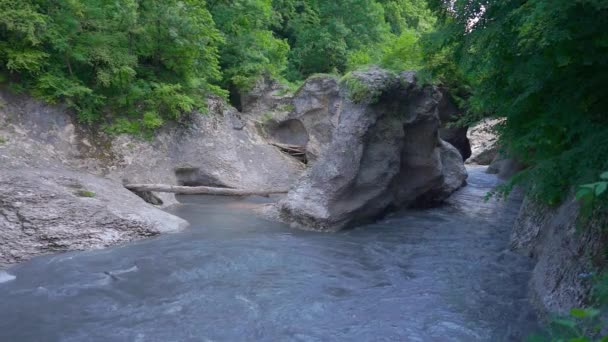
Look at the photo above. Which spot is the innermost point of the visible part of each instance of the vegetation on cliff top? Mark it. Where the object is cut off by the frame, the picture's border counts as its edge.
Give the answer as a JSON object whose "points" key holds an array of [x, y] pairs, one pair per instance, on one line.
{"points": [[136, 64]]}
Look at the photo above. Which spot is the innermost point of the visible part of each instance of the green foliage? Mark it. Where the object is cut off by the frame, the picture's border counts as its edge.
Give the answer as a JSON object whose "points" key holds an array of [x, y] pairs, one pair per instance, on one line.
{"points": [[592, 194], [251, 48], [266, 117], [123, 125], [322, 33], [403, 15], [402, 52], [582, 325], [541, 65], [286, 107], [3, 140], [133, 65], [399, 49], [85, 193], [543, 68], [395, 53], [358, 91], [123, 57]]}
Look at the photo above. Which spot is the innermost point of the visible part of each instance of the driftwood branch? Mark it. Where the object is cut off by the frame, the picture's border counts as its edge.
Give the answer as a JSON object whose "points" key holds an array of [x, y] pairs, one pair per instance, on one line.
{"points": [[290, 148], [202, 190], [296, 151]]}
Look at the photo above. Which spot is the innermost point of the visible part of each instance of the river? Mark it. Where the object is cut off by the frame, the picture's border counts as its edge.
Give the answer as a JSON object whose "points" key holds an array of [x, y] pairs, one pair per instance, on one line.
{"points": [[441, 274]]}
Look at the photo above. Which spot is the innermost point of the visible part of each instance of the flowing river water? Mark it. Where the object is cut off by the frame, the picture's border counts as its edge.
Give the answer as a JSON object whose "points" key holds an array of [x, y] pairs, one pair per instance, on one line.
{"points": [[442, 274]]}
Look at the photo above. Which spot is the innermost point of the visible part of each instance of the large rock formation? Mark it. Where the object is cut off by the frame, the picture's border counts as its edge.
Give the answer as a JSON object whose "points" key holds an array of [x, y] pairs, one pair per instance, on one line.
{"points": [[214, 149], [47, 159], [377, 146], [568, 250]]}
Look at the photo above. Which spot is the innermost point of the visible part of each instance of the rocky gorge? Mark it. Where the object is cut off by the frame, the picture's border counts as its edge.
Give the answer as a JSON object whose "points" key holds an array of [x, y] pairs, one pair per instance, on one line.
{"points": [[347, 153]]}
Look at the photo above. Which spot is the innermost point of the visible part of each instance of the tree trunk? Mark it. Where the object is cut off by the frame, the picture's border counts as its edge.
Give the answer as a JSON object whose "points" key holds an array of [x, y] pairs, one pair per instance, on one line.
{"points": [[202, 190]]}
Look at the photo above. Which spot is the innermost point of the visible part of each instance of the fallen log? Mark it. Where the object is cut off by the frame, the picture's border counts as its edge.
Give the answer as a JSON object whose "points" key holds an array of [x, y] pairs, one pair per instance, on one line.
{"points": [[202, 190]]}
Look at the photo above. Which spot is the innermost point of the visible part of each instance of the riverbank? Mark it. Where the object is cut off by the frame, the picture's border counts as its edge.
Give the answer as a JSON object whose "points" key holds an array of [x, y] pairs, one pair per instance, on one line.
{"points": [[444, 273]]}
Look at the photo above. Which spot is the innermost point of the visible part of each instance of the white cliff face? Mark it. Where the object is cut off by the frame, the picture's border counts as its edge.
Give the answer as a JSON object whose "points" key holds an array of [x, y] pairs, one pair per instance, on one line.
{"points": [[484, 142]]}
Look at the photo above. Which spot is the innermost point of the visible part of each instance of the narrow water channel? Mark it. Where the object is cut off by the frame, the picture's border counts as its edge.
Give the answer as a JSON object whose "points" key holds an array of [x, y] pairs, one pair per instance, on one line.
{"points": [[442, 274]]}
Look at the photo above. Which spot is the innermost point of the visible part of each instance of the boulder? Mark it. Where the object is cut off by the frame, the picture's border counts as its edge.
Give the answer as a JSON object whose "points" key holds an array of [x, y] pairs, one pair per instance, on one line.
{"points": [[484, 142], [55, 210], [505, 167], [383, 151], [456, 136]]}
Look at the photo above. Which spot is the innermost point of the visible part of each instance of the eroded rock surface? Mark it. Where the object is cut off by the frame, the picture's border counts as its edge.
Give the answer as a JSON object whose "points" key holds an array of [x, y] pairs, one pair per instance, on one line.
{"points": [[380, 153], [54, 210], [311, 120], [45, 154], [484, 142], [567, 253], [214, 149]]}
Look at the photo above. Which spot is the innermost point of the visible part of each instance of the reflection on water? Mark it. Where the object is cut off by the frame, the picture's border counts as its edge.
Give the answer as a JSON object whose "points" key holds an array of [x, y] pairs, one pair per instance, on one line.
{"points": [[441, 274]]}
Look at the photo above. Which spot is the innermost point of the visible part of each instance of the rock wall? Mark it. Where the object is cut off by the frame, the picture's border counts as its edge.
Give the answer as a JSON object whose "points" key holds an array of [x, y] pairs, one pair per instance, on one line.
{"points": [[61, 182], [567, 250], [369, 156]]}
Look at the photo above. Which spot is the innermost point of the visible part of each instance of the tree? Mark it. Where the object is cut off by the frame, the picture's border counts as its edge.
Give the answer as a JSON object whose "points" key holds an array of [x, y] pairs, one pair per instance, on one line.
{"points": [[146, 60], [251, 49], [542, 65], [323, 32]]}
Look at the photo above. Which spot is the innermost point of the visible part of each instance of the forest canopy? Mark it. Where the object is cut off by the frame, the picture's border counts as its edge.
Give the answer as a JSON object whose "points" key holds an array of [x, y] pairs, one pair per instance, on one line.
{"points": [[136, 64]]}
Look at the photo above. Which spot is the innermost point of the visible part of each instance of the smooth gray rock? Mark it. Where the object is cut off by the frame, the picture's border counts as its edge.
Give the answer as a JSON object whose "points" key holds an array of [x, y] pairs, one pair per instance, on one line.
{"points": [[55, 210], [567, 252], [382, 153]]}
